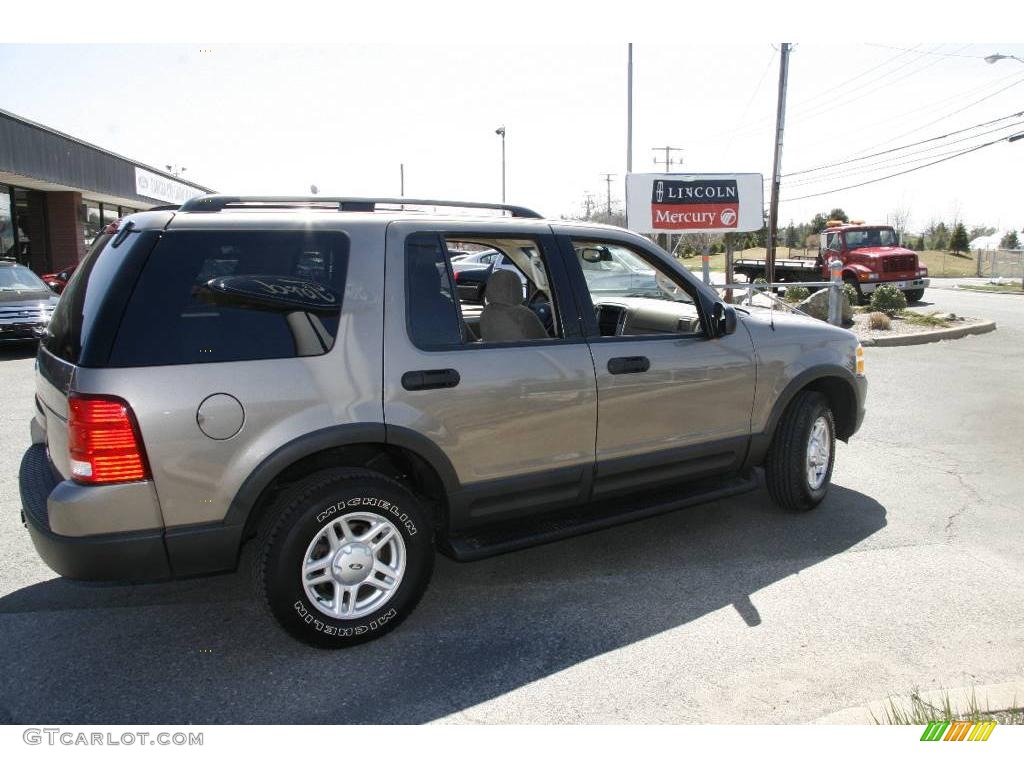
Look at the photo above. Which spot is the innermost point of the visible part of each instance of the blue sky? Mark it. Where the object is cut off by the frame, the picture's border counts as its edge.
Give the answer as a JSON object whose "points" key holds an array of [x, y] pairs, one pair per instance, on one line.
{"points": [[269, 118]]}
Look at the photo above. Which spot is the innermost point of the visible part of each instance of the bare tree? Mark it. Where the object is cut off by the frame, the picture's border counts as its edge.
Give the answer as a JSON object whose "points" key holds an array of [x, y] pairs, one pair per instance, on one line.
{"points": [[899, 217]]}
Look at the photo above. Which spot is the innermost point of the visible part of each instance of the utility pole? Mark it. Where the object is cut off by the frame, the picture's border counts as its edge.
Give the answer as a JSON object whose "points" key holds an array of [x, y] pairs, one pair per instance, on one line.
{"points": [[588, 203], [780, 125], [629, 112], [401, 179], [665, 239], [608, 181], [669, 161]]}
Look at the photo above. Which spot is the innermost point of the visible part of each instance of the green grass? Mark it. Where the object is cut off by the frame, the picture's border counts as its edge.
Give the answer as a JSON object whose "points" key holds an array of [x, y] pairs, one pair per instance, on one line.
{"points": [[1014, 287], [920, 712]]}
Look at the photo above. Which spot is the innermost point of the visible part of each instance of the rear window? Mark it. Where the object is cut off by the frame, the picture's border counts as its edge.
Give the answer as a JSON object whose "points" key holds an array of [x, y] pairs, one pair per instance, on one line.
{"points": [[175, 316]]}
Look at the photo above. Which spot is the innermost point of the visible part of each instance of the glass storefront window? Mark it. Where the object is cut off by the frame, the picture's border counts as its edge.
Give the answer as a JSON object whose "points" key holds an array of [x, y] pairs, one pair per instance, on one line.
{"points": [[92, 223], [109, 213], [7, 248]]}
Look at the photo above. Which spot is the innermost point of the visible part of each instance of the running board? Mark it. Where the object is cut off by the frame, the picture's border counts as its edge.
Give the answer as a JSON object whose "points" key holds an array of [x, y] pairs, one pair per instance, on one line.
{"points": [[509, 536]]}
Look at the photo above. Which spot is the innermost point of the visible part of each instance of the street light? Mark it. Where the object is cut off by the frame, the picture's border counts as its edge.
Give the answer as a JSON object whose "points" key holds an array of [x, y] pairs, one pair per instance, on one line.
{"points": [[992, 59], [1000, 56], [501, 132]]}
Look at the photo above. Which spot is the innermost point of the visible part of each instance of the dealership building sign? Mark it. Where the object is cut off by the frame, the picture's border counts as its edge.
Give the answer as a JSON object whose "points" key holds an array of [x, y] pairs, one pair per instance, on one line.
{"points": [[157, 187], [684, 202]]}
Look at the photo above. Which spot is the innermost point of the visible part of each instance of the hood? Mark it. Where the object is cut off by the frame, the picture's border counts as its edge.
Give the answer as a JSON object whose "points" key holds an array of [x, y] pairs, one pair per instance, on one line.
{"points": [[18, 298], [879, 251], [786, 321]]}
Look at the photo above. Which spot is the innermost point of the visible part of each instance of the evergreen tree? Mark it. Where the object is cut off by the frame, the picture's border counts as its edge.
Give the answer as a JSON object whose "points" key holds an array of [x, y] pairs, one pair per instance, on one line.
{"points": [[1010, 241], [839, 213], [958, 243]]}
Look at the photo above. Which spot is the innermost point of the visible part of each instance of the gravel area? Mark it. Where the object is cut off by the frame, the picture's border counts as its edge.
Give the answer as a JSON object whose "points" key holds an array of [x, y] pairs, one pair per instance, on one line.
{"points": [[900, 327]]}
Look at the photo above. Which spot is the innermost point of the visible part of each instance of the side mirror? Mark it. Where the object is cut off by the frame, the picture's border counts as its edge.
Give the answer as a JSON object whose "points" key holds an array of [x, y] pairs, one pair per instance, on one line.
{"points": [[724, 318], [595, 255]]}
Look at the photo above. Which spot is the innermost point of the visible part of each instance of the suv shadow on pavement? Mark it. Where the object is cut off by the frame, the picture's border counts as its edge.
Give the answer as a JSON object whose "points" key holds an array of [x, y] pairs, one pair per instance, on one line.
{"points": [[201, 651]]}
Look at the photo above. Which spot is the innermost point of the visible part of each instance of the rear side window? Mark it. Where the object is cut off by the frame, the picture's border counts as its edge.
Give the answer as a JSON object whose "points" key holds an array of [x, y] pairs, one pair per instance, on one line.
{"points": [[221, 296]]}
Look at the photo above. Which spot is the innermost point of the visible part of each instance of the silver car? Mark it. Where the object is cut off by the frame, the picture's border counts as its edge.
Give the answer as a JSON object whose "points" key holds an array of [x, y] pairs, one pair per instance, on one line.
{"points": [[304, 379]]}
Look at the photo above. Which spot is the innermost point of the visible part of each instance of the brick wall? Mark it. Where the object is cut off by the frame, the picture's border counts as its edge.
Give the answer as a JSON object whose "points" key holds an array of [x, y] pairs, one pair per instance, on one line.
{"points": [[67, 245]]}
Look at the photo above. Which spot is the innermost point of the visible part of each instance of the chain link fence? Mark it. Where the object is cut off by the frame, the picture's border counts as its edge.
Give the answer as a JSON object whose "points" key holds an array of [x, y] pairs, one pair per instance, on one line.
{"points": [[1000, 263]]}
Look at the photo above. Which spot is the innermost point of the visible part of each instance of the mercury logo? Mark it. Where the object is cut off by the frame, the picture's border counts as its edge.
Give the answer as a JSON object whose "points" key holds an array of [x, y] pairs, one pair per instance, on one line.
{"points": [[728, 217]]}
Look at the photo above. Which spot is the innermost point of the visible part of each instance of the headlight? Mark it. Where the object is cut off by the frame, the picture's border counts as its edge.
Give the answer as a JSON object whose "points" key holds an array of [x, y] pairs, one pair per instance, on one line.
{"points": [[872, 276]]}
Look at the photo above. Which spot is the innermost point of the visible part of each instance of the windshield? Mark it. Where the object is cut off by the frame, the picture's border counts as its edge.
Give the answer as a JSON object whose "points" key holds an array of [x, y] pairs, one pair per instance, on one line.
{"points": [[19, 278], [871, 238]]}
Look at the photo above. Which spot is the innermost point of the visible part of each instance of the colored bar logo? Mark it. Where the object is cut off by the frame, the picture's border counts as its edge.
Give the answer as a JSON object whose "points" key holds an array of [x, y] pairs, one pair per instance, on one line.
{"points": [[958, 730]]}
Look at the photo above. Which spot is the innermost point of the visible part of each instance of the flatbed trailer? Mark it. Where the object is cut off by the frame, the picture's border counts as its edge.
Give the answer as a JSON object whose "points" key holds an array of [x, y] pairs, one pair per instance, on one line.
{"points": [[786, 270]]}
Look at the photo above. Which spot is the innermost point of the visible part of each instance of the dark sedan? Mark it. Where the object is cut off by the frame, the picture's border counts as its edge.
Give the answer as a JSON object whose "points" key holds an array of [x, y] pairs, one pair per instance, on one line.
{"points": [[26, 304]]}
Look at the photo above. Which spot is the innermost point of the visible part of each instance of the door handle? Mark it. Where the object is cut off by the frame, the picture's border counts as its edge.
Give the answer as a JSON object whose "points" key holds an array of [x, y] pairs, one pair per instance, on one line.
{"points": [[617, 365], [445, 378]]}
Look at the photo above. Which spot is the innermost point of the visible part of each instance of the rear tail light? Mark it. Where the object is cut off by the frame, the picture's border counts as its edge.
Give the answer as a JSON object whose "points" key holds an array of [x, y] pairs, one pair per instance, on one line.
{"points": [[104, 441]]}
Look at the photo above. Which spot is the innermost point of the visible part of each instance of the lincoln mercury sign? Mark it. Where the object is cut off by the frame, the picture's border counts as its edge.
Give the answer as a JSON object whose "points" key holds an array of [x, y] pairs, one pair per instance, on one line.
{"points": [[149, 184], [684, 202]]}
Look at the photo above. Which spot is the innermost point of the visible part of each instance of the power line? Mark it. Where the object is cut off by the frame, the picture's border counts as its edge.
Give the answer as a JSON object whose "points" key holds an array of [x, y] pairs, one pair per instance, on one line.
{"points": [[886, 164], [827, 92], [911, 50], [1010, 137], [757, 90], [843, 99], [945, 117], [900, 118], [905, 146]]}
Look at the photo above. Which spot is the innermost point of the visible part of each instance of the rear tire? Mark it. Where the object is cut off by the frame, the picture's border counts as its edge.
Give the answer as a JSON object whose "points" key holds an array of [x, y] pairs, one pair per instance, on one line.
{"points": [[376, 545], [914, 296], [798, 468]]}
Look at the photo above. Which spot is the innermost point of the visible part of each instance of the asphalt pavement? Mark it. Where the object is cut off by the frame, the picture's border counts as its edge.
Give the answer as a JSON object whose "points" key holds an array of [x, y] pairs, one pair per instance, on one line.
{"points": [[910, 575]]}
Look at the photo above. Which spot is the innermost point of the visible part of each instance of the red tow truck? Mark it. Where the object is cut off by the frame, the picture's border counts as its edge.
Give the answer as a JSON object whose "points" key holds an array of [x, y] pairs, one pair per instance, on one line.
{"points": [[870, 253]]}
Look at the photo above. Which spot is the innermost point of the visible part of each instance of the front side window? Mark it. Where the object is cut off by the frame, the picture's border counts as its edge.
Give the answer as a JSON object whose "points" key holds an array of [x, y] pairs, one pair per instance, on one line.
{"points": [[631, 295], [507, 298], [221, 296]]}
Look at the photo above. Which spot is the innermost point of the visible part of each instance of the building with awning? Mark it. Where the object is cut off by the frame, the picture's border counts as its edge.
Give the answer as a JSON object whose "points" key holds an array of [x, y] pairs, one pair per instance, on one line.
{"points": [[57, 192]]}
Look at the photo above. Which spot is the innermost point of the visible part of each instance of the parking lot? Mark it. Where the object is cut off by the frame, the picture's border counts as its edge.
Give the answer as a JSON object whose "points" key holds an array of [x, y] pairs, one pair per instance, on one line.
{"points": [[911, 574]]}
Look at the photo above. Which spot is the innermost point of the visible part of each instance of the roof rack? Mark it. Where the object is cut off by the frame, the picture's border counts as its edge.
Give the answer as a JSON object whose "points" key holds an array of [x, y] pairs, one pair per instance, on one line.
{"points": [[213, 203]]}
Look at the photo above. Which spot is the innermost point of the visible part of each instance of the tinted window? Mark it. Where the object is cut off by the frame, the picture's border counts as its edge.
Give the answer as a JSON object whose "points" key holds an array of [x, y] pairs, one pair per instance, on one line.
{"points": [[94, 290], [433, 317], [175, 316]]}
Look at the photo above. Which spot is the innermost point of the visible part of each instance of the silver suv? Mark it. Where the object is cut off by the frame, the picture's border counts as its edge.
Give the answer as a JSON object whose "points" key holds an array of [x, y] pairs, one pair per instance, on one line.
{"points": [[301, 374]]}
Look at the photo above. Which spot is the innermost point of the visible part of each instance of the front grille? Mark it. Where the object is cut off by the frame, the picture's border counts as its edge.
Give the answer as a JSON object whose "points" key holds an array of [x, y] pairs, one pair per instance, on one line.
{"points": [[902, 263]]}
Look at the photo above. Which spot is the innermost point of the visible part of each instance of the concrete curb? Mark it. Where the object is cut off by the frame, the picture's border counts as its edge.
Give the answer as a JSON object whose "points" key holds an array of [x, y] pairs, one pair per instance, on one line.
{"points": [[990, 698], [908, 339], [990, 293]]}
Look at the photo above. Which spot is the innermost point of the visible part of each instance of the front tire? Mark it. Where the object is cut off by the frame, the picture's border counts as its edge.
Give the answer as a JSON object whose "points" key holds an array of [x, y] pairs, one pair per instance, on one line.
{"points": [[915, 295], [798, 468], [344, 557]]}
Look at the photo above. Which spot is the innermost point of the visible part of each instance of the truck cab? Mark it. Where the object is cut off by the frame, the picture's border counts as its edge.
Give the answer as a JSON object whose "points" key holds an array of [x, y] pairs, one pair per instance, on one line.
{"points": [[871, 256]]}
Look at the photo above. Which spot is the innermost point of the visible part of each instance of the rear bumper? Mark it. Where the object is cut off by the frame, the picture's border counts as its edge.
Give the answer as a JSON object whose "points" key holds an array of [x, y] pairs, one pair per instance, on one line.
{"points": [[126, 556], [918, 284]]}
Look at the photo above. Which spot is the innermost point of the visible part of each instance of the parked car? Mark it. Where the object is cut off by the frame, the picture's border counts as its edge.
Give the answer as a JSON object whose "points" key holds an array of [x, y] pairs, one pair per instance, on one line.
{"points": [[26, 303], [57, 281], [309, 382]]}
